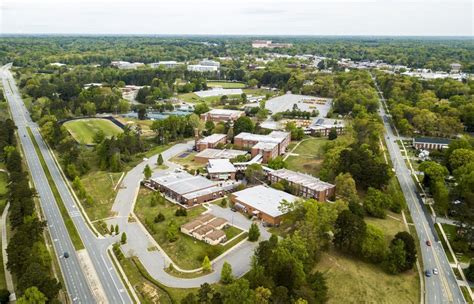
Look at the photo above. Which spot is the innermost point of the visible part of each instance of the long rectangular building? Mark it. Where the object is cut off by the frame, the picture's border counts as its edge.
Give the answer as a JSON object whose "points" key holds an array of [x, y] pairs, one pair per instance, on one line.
{"points": [[185, 188], [269, 146], [307, 186]]}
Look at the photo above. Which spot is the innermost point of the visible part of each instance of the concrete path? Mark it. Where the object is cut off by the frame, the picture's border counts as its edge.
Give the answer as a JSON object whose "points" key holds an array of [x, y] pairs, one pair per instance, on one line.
{"points": [[139, 240], [8, 275]]}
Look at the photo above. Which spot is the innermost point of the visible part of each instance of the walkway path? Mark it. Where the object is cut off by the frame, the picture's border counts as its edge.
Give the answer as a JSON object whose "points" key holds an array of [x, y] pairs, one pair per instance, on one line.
{"points": [[157, 260], [8, 275]]}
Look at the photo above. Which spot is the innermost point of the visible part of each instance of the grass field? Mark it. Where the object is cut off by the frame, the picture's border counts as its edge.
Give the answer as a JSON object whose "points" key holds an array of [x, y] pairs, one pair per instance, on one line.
{"points": [[100, 185], [310, 156], [187, 161], [186, 252], [83, 130], [226, 85], [450, 231], [352, 280]]}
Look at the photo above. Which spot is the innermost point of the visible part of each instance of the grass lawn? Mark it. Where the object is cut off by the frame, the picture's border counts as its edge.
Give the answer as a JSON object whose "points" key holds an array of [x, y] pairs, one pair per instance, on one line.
{"points": [[189, 97], [186, 252], [259, 92], [83, 130], [3, 190], [226, 85], [310, 156], [350, 278], [450, 231], [100, 185], [231, 232], [186, 160]]}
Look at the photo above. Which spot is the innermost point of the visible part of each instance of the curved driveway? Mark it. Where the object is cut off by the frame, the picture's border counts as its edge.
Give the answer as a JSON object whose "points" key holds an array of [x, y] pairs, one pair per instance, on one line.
{"points": [[139, 240]]}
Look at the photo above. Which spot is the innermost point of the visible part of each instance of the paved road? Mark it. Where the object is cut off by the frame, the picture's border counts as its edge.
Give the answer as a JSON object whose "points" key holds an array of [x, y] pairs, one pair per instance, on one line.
{"points": [[441, 288], [156, 261], [77, 285]]}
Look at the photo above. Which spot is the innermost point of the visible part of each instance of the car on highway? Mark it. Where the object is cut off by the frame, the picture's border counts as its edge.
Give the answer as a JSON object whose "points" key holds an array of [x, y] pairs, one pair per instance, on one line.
{"points": [[435, 271], [428, 243], [66, 255], [428, 273]]}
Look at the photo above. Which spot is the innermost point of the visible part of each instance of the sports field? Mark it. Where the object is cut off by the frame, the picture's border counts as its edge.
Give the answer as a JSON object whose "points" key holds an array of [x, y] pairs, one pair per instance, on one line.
{"points": [[226, 85], [83, 130]]}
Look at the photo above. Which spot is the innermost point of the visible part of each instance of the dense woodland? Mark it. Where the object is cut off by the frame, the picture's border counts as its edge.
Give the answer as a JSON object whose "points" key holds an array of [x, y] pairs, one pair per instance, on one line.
{"points": [[29, 259]]}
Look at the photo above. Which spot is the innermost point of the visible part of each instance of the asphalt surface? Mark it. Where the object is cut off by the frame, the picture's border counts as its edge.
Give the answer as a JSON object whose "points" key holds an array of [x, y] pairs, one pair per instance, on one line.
{"points": [[76, 283], [442, 288]]}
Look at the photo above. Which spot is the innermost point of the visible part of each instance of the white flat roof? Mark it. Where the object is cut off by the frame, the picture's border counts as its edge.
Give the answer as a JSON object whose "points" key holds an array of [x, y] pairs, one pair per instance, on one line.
{"points": [[220, 166], [273, 137], [212, 138], [182, 182], [305, 180], [264, 199], [216, 153], [224, 112], [265, 145], [218, 91]]}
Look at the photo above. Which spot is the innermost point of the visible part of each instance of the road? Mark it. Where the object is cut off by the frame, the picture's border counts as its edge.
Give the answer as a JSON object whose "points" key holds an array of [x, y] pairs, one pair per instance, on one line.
{"points": [[77, 285], [442, 288], [156, 261]]}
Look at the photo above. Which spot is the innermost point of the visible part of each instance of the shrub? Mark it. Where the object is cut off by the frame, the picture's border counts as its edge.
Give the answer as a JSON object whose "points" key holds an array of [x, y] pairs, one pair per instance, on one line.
{"points": [[159, 218], [181, 212]]}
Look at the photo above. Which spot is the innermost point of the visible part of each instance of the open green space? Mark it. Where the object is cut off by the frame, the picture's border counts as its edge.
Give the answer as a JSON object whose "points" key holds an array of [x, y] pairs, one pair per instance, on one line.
{"points": [[83, 130], [186, 251], [100, 185], [445, 245], [463, 257], [310, 156], [71, 228], [351, 280], [186, 160], [465, 293], [226, 84]]}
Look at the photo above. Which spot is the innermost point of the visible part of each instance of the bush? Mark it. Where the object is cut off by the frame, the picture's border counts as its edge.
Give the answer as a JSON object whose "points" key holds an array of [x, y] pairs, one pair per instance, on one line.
{"points": [[181, 212], [4, 296], [254, 233], [159, 218]]}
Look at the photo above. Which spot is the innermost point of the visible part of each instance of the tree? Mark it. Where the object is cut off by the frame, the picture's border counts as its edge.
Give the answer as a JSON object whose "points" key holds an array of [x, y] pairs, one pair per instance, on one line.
{"points": [[99, 137], [142, 113], [346, 187], [32, 296], [374, 248], [470, 272], [190, 298], [460, 157], [376, 202], [4, 296], [226, 273], [254, 233], [112, 229], [254, 173], [159, 218], [159, 160], [206, 264], [433, 172], [253, 83], [410, 249], [350, 231], [237, 292], [243, 124], [396, 258], [262, 295], [201, 108], [147, 172], [332, 134], [123, 239], [172, 231], [318, 284], [116, 229], [277, 163]]}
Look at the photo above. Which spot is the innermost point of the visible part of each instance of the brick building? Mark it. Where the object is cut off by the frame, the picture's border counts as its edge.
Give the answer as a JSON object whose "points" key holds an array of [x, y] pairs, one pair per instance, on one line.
{"points": [[211, 141], [204, 156], [431, 143], [222, 115], [307, 186], [269, 146], [221, 169]]}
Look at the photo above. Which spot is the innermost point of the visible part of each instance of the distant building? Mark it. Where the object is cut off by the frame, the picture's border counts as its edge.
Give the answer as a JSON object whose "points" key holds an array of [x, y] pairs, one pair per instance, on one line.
{"points": [[202, 68], [211, 141], [205, 155], [57, 64], [221, 169], [430, 143], [269, 146], [322, 127], [185, 188], [455, 67], [125, 65], [222, 115], [166, 64], [263, 202], [206, 228], [307, 186], [259, 44], [207, 62]]}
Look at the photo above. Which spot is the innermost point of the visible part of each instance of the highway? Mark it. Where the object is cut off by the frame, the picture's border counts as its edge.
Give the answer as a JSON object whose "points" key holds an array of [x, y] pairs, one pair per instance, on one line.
{"points": [[442, 288], [77, 284]]}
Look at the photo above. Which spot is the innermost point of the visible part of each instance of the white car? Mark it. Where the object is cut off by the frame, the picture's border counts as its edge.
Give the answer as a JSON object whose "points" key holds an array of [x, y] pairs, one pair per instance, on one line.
{"points": [[435, 271]]}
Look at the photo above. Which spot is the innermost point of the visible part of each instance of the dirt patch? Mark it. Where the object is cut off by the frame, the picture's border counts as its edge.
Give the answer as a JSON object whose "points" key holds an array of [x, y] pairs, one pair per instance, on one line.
{"points": [[91, 275]]}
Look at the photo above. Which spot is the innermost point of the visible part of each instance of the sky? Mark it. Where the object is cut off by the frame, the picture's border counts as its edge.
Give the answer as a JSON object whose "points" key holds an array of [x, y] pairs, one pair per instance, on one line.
{"points": [[239, 17]]}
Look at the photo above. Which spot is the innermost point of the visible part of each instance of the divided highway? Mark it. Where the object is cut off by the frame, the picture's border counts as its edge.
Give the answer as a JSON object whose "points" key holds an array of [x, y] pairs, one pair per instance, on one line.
{"points": [[77, 284], [442, 288]]}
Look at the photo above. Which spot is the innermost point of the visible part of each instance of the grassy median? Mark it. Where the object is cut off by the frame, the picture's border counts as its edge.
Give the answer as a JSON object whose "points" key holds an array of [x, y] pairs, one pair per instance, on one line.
{"points": [[76, 239]]}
